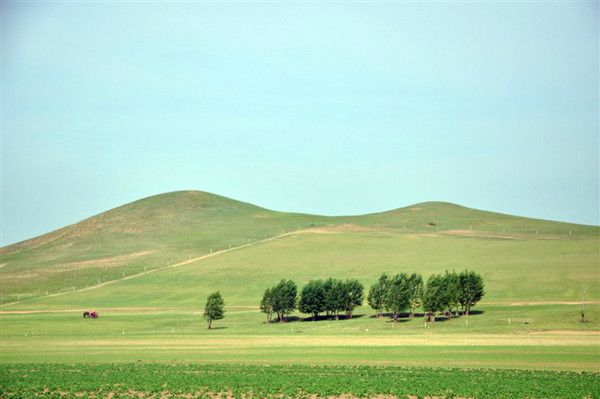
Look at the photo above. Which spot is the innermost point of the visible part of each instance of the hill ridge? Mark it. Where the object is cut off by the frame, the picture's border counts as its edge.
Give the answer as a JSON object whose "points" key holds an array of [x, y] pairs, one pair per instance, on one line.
{"points": [[213, 199]]}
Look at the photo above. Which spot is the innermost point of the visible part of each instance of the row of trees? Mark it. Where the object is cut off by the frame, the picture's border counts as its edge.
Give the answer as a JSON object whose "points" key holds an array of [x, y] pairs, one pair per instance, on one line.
{"points": [[330, 296], [447, 293]]}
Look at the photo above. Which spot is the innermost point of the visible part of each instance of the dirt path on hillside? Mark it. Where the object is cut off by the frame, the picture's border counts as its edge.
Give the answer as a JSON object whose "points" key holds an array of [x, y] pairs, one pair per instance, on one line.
{"points": [[182, 263]]}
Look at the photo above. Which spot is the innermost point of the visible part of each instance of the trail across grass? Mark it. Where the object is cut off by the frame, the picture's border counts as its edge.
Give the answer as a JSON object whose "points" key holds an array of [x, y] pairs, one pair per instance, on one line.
{"points": [[160, 380]]}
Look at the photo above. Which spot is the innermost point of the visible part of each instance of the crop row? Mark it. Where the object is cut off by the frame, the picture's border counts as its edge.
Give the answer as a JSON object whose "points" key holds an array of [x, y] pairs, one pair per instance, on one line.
{"points": [[205, 380]]}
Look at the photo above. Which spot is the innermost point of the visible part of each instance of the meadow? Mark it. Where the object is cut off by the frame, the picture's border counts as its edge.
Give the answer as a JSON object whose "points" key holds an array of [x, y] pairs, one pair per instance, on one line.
{"points": [[525, 334]]}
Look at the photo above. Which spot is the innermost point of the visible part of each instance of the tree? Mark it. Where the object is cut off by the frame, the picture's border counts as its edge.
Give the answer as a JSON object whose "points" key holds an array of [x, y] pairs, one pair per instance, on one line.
{"points": [[352, 296], [266, 304], [433, 297], [377, 294], [334, 297], [213, 310], [451, 292], [415, 292], [284, 298], [312, 298], [471, 290], [397, 295]]}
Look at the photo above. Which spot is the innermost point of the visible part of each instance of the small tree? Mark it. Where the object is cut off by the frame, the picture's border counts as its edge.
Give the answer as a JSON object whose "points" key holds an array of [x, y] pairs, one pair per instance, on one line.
{"points": [[352, 296], [266, 304], [415, 292], [397, 295], [213, 310], [377, 294], [471, 290], [312, 298], [284, 298]]}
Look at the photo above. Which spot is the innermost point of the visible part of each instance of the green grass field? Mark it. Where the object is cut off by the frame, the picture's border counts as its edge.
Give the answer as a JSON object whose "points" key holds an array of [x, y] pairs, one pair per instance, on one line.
{"points": [[148, 267]]}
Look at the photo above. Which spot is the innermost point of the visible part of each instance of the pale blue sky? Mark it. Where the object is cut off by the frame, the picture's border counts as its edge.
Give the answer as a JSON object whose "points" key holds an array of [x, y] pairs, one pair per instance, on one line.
{"points": [[319, 107]]}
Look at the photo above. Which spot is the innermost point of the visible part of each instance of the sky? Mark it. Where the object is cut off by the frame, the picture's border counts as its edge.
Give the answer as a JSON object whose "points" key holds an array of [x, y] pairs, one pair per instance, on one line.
{"points": [[319, 107]]}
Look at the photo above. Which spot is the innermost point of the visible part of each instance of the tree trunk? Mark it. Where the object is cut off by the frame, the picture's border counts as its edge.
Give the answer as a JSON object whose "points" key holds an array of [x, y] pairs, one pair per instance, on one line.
{"points": [[209, 324], [315, 316]]}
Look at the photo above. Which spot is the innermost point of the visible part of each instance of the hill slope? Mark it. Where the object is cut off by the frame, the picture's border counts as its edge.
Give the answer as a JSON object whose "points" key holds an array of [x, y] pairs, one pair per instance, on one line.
{"points": [[162, 230]]}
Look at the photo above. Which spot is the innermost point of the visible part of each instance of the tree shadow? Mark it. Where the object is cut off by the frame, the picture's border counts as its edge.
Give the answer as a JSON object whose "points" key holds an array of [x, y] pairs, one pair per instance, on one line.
{"points": [[218, 328], [421, 315], [398, 320], [286, 319], [345, 317], [476, 312], [401, 316], [294, 318]]}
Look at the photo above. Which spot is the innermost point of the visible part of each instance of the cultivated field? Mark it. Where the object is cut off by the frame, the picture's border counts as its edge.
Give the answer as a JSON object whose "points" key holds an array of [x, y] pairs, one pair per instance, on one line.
{"points": [[152, 380], [148, 267]]}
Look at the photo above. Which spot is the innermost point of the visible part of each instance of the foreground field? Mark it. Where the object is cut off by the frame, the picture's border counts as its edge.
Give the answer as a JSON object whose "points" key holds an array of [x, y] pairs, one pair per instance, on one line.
{"points": [[151, 380]]}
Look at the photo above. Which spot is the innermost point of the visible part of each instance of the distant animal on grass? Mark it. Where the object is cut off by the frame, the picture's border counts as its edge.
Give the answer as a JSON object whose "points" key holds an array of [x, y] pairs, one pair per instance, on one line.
{"points": [[93, 314]]}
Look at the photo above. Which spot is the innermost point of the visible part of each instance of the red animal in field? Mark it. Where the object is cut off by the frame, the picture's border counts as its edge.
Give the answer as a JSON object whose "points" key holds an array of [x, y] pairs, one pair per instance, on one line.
{"points": [[93, 314]]}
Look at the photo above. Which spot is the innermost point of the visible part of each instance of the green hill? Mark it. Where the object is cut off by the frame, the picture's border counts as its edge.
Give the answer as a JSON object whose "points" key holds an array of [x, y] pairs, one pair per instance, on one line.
{"points": [[168, 229], [143, 235]]}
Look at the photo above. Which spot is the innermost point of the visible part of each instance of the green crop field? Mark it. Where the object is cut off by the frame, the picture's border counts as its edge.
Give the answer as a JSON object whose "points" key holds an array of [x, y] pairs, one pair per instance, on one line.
{"points": [[147, 267], [151, 380]]}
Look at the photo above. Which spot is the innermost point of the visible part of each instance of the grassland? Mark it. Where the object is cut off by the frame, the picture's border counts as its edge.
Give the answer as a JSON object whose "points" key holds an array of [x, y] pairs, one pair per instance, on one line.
{"points": [[147, 267]]}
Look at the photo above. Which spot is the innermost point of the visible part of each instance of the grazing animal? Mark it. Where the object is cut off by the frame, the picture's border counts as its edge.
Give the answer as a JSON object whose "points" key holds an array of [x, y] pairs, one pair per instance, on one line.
{"points": [[93, 314], [86, 314]]}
